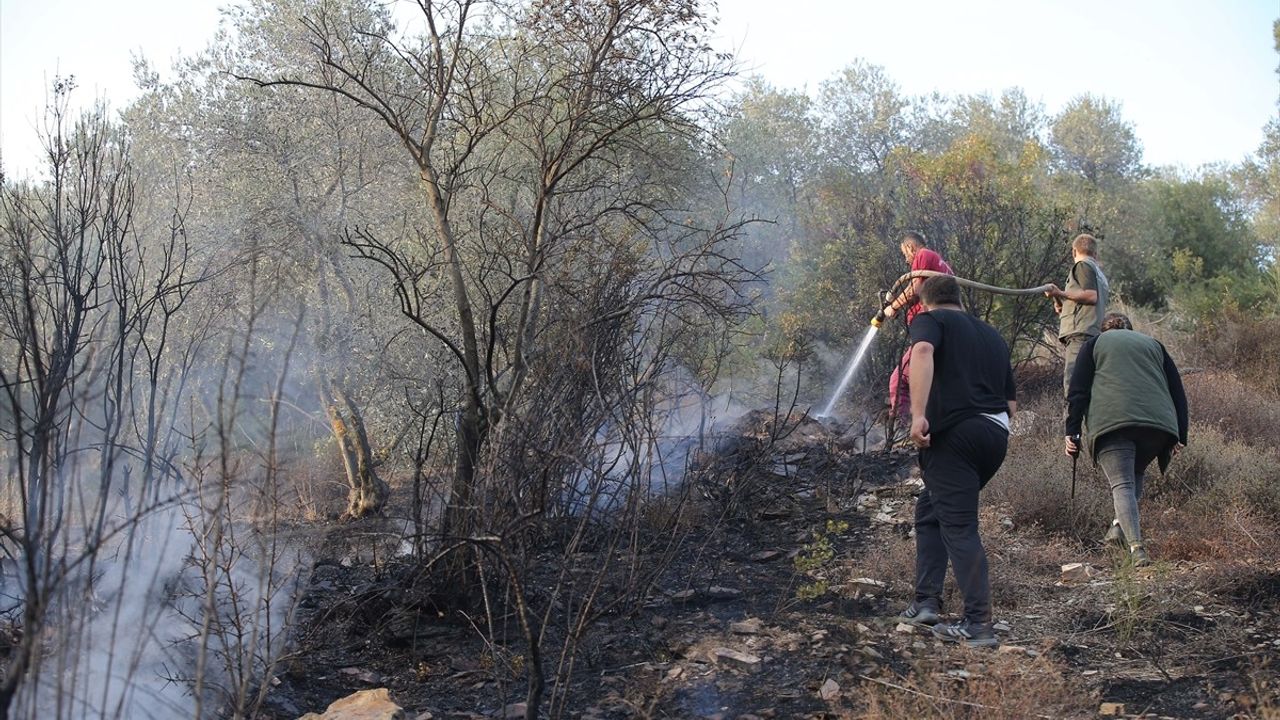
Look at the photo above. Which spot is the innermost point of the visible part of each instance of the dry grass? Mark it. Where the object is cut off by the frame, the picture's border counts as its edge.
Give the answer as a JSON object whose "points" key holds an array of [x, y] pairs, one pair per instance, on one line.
{"points": [[1034, 484], [1247, 348], [1236, 408], [997, 687], [1215, 473]]}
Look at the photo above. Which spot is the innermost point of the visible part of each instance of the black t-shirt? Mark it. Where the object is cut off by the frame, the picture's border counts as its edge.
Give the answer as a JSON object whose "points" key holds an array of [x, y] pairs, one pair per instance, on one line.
{"points": [[971, 370]]}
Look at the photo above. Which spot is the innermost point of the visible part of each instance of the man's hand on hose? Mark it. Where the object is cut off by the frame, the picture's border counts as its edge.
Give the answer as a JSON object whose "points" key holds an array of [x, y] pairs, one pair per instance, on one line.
{"points": [[1057, 294], [920, 431], [889, 311], [1073, 447]]}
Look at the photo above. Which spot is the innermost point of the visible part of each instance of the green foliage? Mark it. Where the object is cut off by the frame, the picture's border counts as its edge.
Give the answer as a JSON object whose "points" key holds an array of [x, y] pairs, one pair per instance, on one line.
{"points": [[1203, 218], [815, 558], [991, 224], [864, 117], [1093, 144]]}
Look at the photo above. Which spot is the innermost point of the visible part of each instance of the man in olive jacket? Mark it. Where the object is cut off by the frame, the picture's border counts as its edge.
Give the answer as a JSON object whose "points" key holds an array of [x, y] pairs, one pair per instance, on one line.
{"points": [[1126, 400], [1082, 303]]}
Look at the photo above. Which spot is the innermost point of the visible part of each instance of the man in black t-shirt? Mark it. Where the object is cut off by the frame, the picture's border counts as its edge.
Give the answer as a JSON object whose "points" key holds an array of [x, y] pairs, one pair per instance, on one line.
{"points": [[961, 401]]}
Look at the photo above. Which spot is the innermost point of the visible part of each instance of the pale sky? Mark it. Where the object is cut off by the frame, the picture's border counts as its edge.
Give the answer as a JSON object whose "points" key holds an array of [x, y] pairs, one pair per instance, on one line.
{"points": [[1196, 78]]}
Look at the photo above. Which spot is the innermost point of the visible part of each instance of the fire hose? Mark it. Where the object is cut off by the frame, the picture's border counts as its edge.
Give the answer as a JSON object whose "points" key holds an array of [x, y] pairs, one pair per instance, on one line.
{"points": [[908, 277]]}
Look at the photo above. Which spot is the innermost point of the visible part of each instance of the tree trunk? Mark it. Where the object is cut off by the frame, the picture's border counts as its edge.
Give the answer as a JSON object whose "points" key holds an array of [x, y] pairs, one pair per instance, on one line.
{"points": [[461, 515], [366, 492]]}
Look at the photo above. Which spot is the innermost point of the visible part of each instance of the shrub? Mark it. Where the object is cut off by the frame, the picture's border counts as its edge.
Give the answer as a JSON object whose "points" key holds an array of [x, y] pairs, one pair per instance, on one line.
{"points": [[1214, 472], [1034, 483], [1007, 686], [1234, 407], [1248, 347]]}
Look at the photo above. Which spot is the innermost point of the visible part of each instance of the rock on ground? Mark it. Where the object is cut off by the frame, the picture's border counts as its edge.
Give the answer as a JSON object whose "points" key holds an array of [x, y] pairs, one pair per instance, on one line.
{"points": [[363, 705]]}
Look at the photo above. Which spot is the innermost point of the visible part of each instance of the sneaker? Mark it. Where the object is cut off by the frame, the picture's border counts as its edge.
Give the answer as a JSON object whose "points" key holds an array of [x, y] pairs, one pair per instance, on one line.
{"points": [[1114, 536], [1138, 553], [970, 633], [921, 614]]}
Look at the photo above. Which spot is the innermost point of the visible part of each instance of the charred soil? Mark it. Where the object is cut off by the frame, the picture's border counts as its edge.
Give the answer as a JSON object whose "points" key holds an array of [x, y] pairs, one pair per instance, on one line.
{"points": [[781, 604]]}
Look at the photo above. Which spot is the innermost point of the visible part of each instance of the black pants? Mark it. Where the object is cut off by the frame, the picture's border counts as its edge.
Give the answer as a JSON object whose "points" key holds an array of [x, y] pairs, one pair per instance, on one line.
{"points": [[956, 467]]}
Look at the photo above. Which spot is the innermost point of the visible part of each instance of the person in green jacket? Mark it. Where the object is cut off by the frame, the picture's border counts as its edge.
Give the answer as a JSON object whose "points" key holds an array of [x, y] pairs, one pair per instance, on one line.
{"points": [[1126, 401]]}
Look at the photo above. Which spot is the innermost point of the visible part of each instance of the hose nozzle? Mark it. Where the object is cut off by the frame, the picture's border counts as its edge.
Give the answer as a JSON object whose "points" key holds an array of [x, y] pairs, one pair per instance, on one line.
{"points": [[878, 319]]}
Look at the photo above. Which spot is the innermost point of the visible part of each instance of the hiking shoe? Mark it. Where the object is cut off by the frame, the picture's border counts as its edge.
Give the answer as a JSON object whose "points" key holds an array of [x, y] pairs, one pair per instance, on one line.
{"points": [[970, 633], [1138, 553], [921, 614], [1114, 536]]}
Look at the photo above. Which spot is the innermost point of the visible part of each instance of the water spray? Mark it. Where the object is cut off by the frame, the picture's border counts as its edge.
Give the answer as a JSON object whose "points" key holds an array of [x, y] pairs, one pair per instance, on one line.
{"points": [[852, 369]]}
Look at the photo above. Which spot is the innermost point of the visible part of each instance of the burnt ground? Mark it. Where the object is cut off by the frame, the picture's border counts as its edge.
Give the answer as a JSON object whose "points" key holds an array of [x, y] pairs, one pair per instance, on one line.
{"points": [[767, 612]]}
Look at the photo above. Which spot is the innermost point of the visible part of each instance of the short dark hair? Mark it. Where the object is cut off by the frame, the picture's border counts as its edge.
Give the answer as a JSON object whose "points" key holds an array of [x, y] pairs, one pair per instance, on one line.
{"points": [[917, 238], [940, 290], [1116, 321]]}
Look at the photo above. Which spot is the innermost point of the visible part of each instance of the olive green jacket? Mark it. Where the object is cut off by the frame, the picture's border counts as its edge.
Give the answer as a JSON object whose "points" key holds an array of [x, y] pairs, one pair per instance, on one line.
{"points": [[1126, 379], [1077, 318]]}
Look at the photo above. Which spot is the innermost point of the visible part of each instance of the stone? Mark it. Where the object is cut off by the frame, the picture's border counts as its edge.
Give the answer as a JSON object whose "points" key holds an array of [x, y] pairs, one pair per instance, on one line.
{"points": [[870, 652], [750, 626], [1078, 572], [905, 628], [1111, 709], [737, 657], [363, 705], [1011, 650], [1001, 627], [715, 592], [425, 715], [868, 586], [365, 676], [830, 690], [766, 555], [515, 711]]}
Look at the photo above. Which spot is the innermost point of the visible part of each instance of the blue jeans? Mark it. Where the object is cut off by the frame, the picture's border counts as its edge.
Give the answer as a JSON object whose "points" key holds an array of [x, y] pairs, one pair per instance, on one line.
{"points": [[1124, 455]]}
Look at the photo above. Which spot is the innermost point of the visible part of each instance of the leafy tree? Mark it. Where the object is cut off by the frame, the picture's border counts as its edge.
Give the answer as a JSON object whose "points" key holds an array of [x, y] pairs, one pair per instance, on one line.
{"points": [[769, 139], [301, 168], [1092, 144], [991, 223], [864, 117]]}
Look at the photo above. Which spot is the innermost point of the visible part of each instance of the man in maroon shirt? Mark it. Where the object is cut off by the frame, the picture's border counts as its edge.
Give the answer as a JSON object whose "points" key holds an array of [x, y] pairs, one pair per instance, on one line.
{"points": [[915, 248]]}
